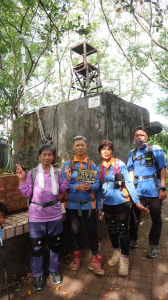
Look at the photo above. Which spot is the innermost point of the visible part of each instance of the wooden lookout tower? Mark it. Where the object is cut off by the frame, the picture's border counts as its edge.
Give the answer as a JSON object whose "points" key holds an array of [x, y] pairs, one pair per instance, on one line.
{"points": [[85, 77]]}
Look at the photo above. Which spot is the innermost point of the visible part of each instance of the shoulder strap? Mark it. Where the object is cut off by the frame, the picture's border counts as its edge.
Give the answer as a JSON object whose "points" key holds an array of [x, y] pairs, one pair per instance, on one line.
{"points": [[150, 147], [101, 172], [133, 155], [116, 166], [33, 176], [57, 173], [90, 164], [70, 163]]}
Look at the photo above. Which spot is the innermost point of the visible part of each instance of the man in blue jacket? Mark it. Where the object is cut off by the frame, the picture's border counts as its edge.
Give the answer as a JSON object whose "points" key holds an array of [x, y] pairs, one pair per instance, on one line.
{"points": [[147, 167], [80, 199]]}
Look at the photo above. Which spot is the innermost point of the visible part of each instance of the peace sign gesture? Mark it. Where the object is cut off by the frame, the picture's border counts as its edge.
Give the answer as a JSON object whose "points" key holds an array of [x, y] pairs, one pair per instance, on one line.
{"points": [[20, 173]]}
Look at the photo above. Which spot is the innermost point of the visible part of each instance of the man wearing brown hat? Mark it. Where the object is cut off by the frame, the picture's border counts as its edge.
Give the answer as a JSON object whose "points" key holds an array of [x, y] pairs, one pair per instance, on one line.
{"points": [[147, 168]]}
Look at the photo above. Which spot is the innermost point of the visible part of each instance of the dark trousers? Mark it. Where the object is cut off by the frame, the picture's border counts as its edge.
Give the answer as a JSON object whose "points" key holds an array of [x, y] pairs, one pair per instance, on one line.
{"points": [[117, 219], [155, 211], [91, 227], [39, 230]]}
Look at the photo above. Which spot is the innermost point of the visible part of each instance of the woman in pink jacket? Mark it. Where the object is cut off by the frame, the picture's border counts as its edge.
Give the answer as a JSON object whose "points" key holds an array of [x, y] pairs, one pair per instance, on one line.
{"points": [[45, 213]]}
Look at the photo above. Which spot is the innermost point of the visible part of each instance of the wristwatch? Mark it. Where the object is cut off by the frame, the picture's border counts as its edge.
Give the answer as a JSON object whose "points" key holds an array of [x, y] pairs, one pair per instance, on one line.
{"points": [[163, 189]]}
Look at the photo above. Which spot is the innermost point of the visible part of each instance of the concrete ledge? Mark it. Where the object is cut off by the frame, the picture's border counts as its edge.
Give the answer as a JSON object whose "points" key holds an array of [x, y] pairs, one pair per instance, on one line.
{"points": [[17, 224], [17, 246]]}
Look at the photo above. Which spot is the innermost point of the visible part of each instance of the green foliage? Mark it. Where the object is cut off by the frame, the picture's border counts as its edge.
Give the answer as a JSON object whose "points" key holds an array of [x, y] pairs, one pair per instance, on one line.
{"points": [[43, 24], [161, 139]]}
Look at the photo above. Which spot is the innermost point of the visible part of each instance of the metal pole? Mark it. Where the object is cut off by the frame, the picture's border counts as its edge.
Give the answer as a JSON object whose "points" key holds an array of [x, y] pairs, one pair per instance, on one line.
{"points": [[120, 88], [3, 256], [119, 81], [23, 75]]}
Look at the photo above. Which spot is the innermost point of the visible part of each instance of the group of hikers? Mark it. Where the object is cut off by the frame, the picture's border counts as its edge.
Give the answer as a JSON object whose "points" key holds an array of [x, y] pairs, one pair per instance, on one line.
{"points": [[126, 191]]}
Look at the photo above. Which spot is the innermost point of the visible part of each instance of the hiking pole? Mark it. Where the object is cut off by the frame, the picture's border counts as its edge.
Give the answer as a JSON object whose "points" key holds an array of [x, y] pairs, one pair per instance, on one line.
{"points": [[3, 256]]}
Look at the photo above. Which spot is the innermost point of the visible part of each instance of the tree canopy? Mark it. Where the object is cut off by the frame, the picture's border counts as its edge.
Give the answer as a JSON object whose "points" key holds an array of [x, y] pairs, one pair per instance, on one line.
{"points": [[131, 36], [43, 23]]}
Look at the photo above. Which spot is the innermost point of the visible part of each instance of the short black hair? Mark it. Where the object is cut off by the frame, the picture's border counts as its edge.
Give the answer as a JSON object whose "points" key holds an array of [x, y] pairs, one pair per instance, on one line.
{"points": [[47, 146], [79, 137], [140, 128], [105, 143]]}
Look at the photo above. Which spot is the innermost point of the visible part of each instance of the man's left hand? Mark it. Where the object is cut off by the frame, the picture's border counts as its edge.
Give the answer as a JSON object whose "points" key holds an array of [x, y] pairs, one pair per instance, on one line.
{"points": [[162, 195], [87, 187]]}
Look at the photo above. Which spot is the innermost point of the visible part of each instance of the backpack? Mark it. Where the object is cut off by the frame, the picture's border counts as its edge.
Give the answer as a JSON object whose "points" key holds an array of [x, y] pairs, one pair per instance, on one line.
{"points": [[149, 159], [33, 177], [71, 165]]}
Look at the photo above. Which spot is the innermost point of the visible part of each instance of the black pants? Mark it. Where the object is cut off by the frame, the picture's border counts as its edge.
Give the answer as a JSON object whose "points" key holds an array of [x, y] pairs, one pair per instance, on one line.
{"points": [[155, 211], [91, 227], [117, 219]]}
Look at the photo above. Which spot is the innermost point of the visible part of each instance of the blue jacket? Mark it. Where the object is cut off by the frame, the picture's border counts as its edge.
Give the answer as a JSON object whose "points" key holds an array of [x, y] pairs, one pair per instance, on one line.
{"points": [[147, 186], [73, 194], [113, 196]]}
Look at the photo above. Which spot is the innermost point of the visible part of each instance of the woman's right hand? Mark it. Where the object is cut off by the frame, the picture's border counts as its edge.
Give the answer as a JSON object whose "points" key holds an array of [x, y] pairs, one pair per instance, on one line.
{"points": [[100, 215], [20, 173], [142, 208]]}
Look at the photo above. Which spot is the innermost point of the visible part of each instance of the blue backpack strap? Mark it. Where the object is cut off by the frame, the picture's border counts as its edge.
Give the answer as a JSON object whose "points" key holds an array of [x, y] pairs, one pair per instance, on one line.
{"points": [[133, 155]]}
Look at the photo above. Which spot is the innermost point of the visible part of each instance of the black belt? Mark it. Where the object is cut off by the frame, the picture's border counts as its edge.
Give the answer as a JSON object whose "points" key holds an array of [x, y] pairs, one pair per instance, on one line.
{"points": [[79, 205], [150, 176], [46, 204]]}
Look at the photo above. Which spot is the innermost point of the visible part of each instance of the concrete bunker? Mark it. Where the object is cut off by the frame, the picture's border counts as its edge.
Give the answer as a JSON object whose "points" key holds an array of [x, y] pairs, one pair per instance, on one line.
{"points": [[98, 117]]}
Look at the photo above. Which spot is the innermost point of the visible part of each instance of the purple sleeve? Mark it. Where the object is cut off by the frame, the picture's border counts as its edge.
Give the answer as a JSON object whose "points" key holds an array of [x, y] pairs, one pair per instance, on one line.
{"points": [[26, 187], [63, 185]]}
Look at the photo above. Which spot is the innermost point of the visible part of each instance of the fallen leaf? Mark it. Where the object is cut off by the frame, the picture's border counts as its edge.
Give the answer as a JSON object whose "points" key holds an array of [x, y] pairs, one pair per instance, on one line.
{"points": [[64, 293], [124, 293], [132, 290], [143, 257], [48, 278], [74, 292], [17, 290], [108, 258], [29, 292], [109, 289], [63, 275], [73, 272], [117, 289], [106, 296], [144, 250], [85, 288], [160, 297], [159, 251], [108, 278], [123, 286], [118, 9], [57, 288], [107, 269]]}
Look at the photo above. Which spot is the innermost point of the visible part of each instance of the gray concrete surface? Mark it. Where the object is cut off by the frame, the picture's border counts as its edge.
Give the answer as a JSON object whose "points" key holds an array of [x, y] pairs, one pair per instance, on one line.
{"points": [[115, 120]]}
